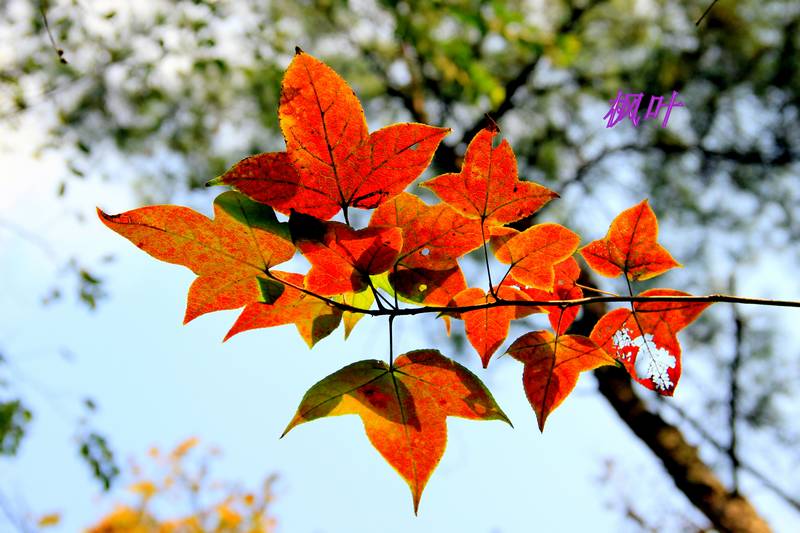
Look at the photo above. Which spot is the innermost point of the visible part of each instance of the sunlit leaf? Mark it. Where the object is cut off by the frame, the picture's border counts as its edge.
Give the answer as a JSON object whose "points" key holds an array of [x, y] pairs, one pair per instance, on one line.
{"points": [[488, 328], [344, 258], [314, 318], [434, 236], [552, 367], [488, 187], [229, 253], [646, 342], [532, 254], [630, 247], [404, 409]]}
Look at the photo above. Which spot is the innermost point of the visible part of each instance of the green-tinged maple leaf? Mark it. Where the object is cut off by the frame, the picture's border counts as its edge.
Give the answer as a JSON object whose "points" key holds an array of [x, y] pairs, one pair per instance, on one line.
{"points": [[362, 300], [230, 254], [532, 254], [630, 247], [645, 341], [403, 408], [488, 187], [331, 161], [552, 367], [314, 318]]}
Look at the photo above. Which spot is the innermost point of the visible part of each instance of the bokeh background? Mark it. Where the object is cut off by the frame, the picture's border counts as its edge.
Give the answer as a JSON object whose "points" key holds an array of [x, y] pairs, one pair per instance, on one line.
{"points": [[150, 99]]}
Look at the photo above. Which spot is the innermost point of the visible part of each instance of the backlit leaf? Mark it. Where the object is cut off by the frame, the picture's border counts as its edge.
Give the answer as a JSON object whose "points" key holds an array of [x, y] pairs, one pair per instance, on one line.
{"points": [[564, 288], [646, 343], [344, 258], [630, 247], [434, 236], [230, 253], [488, 328], [488, 187], [404, 409], [362, 300], [331, 161], [552, 367], [314, 318], [533, 253]]}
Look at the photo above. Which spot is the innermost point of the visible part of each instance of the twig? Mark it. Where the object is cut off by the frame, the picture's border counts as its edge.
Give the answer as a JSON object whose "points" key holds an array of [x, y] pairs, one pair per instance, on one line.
{"points": [[59, 51], [705, 13]]}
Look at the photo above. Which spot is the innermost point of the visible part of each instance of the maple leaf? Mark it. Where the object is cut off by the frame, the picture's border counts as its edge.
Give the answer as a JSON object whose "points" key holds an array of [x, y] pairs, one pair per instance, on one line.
{"points": [[488, 187], [343, 258], [565, 288], [331, 161], [533, 253], [630, 247], [645, 341], [230, 254], [434, 236], [552, 367], [362, 300], [403, 408], [487, 328], [314, 318]]}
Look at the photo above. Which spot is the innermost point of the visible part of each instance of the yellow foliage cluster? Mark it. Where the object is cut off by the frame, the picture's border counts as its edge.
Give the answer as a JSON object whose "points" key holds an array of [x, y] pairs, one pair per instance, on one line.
{"points": [[178, 483]]}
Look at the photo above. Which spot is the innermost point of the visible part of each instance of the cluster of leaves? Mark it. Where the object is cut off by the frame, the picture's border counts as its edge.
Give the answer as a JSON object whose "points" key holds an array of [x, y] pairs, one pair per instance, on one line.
{"points": [[408, 254], [215, 507]]}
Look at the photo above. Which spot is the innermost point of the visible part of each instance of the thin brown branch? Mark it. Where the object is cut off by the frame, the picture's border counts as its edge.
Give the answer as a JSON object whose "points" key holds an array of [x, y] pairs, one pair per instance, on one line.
{"points": [[563, 304], [59, 50]]}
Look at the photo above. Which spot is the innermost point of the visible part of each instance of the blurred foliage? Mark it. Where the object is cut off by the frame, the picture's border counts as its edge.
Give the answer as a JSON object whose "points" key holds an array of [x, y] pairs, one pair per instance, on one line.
{"points": [[184, 481], [95, 451], [14, 417]]}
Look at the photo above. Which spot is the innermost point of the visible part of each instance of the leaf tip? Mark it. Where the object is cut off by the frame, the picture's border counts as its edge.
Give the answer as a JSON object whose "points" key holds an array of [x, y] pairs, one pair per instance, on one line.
{"points": [[215, 181]]}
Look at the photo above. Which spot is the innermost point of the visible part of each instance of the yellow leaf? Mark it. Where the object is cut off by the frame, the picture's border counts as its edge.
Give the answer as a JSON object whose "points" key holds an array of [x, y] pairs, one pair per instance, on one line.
{"points": [[184, 447], [145, 488], [50, 519]]}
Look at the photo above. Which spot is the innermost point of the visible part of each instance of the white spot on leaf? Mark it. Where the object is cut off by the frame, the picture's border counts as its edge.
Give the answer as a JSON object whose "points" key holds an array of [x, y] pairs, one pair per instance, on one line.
{"points": [[650, 361]]}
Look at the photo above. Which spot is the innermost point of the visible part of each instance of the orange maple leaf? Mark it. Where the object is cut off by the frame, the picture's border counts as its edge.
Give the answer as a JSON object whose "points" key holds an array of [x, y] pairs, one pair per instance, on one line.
{"points": [[564, 288], [403, 408], [645, 340], [488, 187], [315, 319], [630, 247], [487, 328], [331, 161], [552, 367], [533, 253], [231, 254]]}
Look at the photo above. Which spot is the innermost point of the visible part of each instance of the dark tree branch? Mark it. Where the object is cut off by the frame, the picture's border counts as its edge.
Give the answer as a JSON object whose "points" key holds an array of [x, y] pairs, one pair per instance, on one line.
{"points": [[753, 471], [733, 395]]}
